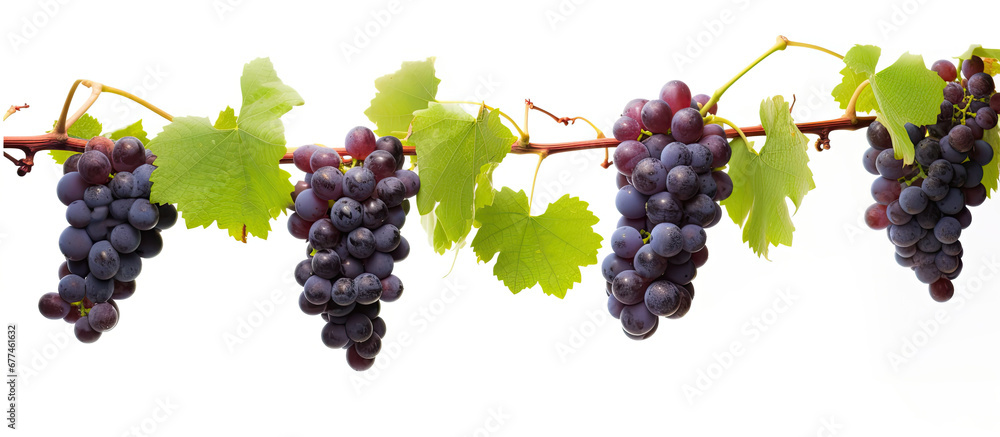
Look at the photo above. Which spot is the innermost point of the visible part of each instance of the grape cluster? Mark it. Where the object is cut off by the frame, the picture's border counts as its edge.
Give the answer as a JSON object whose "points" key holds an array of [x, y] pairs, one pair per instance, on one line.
{"points": [[670, 182], [351, 216], [112, 226], [924, 206]]}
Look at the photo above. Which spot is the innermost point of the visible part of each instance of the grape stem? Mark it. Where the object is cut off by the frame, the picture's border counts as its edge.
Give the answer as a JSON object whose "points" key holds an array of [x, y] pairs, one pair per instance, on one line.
{"points": [[541, 157], [779, 45], [96, 88], [851, 111], [51, 141]]}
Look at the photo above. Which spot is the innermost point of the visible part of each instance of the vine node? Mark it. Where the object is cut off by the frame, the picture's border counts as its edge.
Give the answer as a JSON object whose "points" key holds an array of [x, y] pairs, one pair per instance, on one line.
{"points": [[823, 142]]}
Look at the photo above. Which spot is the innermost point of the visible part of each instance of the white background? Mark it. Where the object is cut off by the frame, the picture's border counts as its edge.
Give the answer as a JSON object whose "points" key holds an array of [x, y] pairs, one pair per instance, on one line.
{"points": [[476, 359]]}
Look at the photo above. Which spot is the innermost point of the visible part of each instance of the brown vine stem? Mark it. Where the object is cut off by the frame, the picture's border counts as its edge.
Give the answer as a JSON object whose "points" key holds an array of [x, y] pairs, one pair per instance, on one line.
{"points": [[51, 141]]}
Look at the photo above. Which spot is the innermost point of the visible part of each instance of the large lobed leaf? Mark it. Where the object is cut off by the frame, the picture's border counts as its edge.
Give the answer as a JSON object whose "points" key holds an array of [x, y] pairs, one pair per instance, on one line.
{"points": [[548, 249], [762, 181], [454, 149], [228, 173]]}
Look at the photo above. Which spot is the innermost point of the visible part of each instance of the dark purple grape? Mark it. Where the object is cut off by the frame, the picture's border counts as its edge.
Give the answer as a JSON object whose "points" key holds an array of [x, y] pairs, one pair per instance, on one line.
{"points": [[392, 145], [981, 86], [94, 167], [657, 116], [686, 125], [972, 66], [381, 164]]}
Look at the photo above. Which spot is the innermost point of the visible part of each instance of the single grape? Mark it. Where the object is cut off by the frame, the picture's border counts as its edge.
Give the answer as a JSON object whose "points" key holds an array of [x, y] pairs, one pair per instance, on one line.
{"points": [[648, 263], [369, 289], [676, 94], [946, 69], [334, 336], [649, 177], [662, 298], [972, 66], [876, 216], [682, 182], [359, 183], [392, 145], [657, 116], [637, 320], [381, 164], [633, 110], [103, 317], [143, 215], [664, 207], [392, 191], [628, 154], [686, 125], [84, 332], [392, 288], [626, 128], [128, 154], [302, 155], [878, 136], [360, 142]]}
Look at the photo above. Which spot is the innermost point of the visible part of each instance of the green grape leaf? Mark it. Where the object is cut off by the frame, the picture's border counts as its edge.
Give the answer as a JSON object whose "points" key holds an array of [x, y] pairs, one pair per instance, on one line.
{"points": [[227, 119], [978, 50], [452, 147], [548, 249], [991, 171], [863, 59], [484, 187], [762, 181], [85, 128], [229, 176], [132, 130], [400, 94], [907, 91], [843, 92], [860, 64]]}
